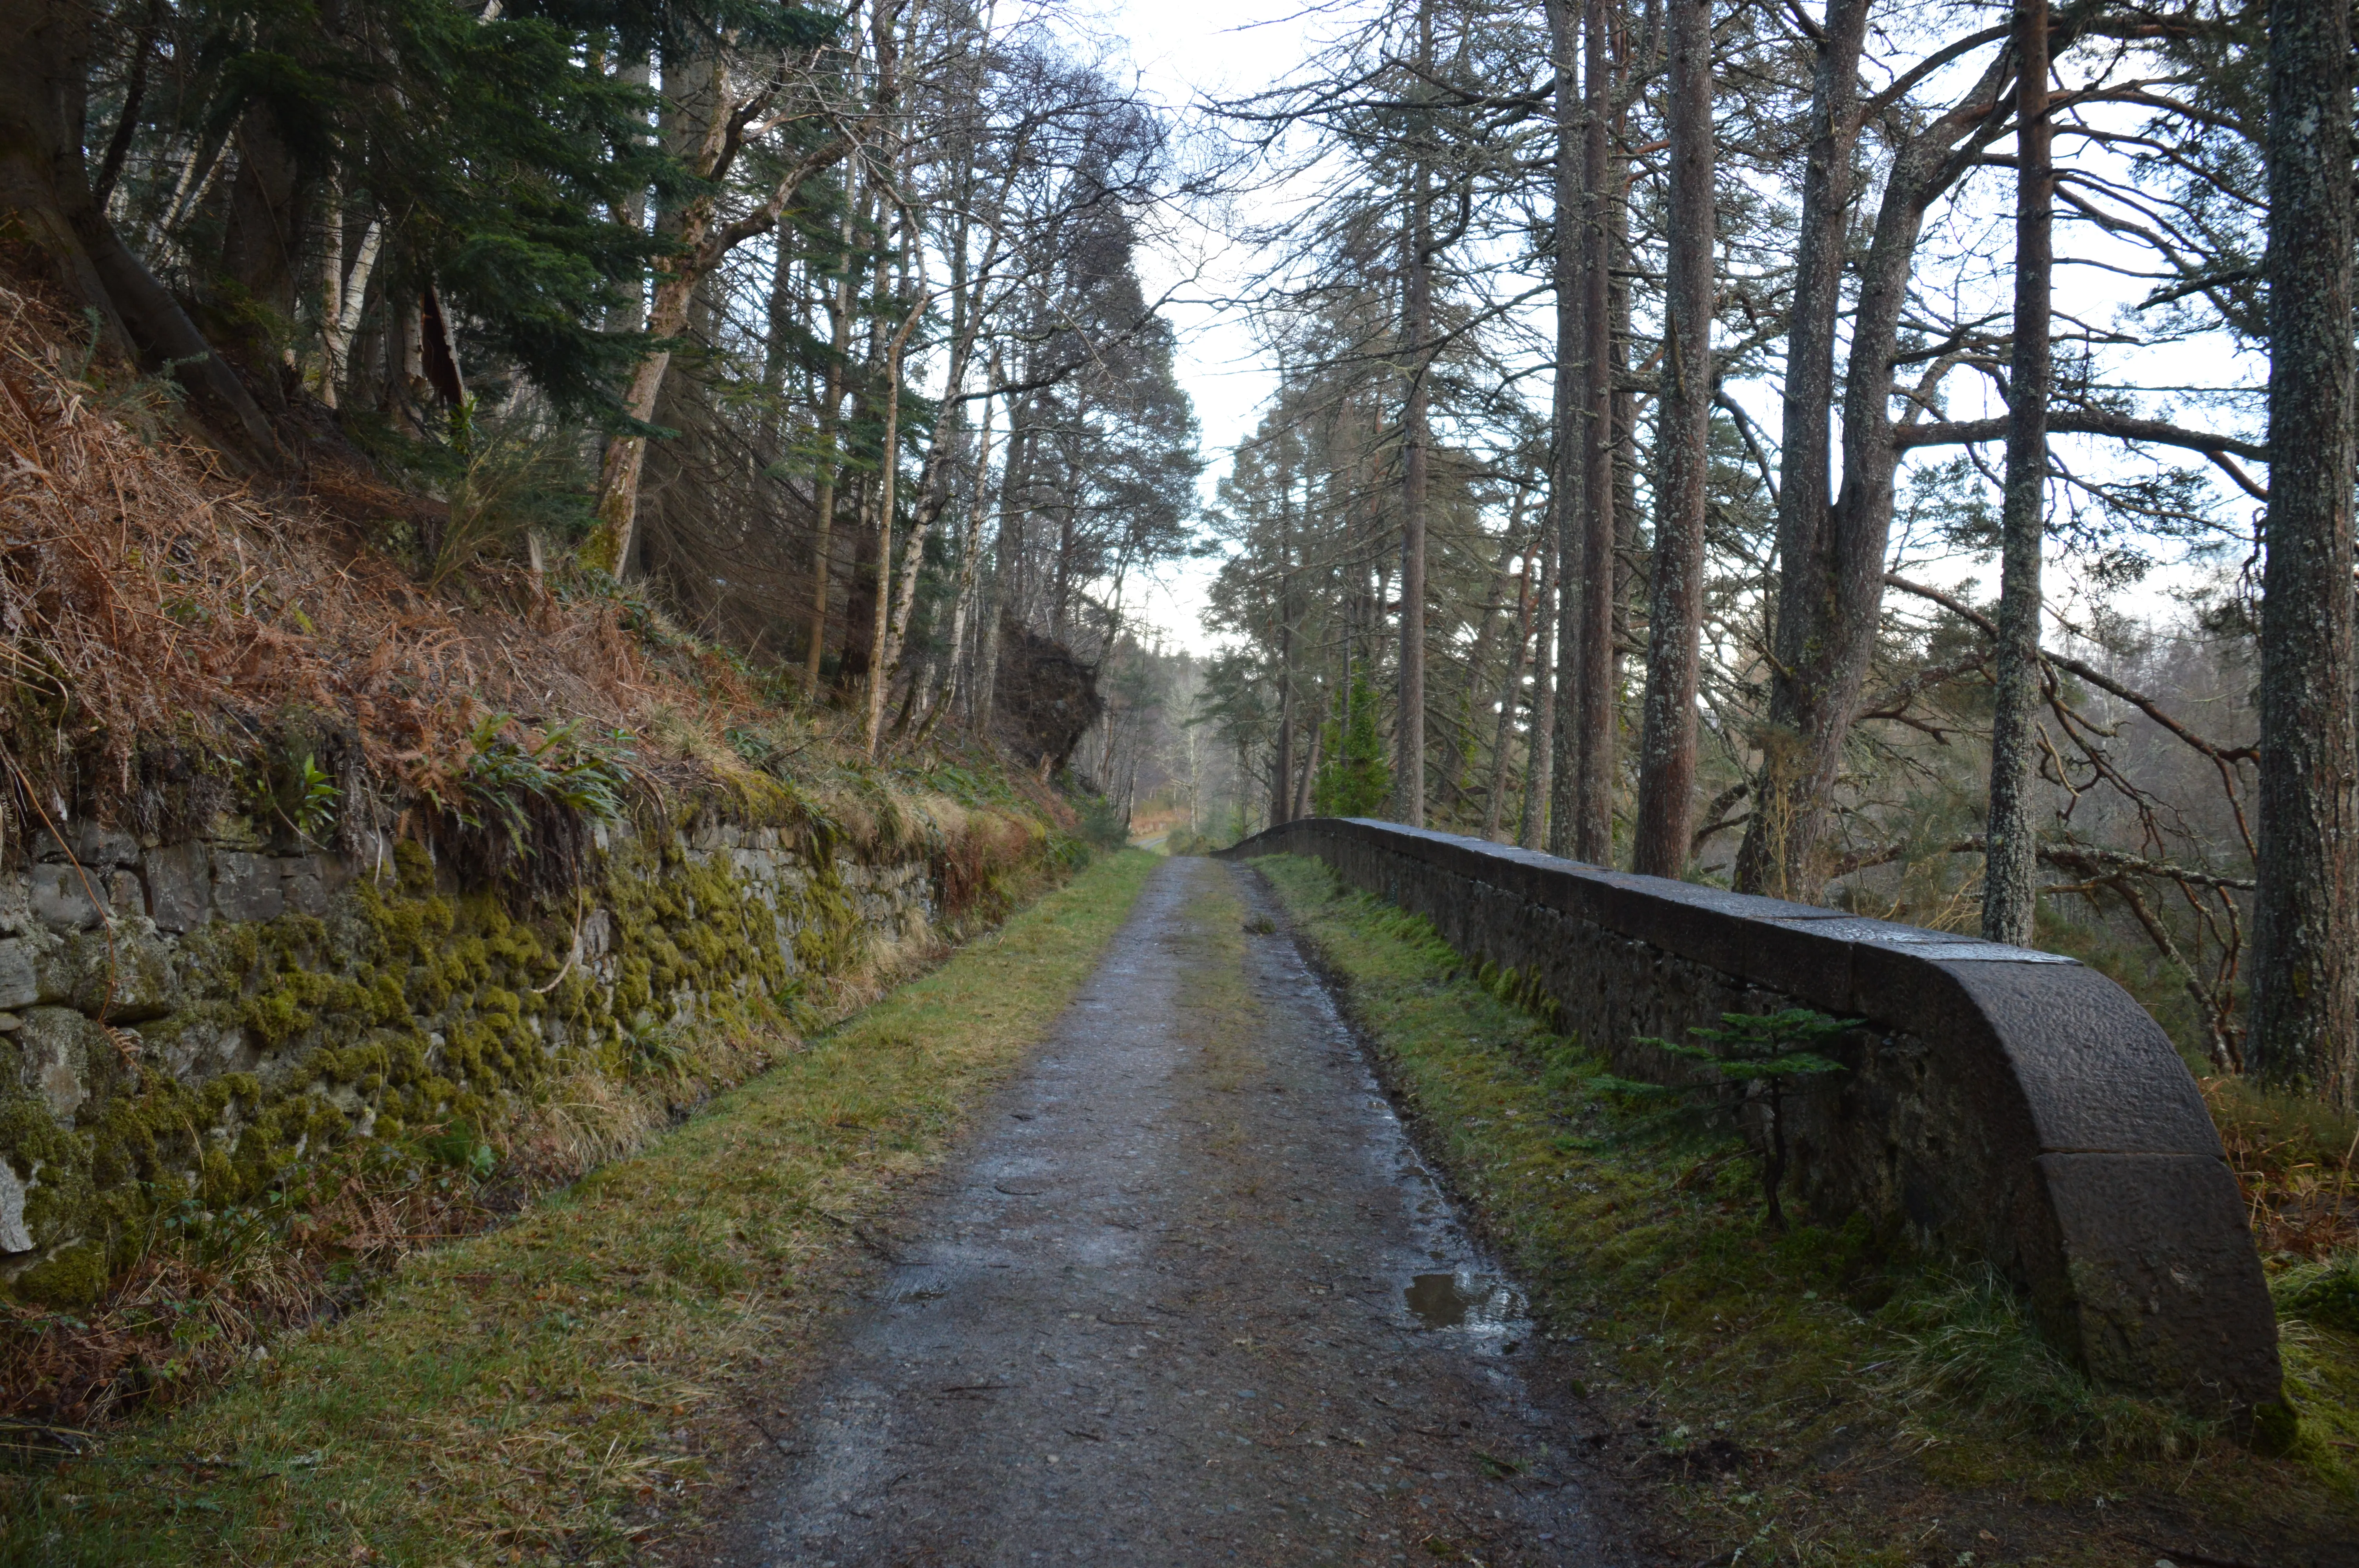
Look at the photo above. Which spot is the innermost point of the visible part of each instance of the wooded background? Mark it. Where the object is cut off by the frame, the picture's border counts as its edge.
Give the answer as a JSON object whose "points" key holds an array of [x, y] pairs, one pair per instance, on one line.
{"points": [[1827, 451]]}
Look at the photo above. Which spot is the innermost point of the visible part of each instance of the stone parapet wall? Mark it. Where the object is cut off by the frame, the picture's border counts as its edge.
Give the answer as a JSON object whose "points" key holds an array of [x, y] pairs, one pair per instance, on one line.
{"points": [[179, 1023], [2000, 1104]]}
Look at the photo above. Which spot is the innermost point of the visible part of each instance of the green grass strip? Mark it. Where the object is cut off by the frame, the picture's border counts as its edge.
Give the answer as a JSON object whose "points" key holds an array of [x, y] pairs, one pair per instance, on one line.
{"points": [[562, 1389]]}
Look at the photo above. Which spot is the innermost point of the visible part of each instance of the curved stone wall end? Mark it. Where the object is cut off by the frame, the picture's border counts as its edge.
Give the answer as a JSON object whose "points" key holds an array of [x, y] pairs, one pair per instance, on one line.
{"points": [[2001, 1105]]}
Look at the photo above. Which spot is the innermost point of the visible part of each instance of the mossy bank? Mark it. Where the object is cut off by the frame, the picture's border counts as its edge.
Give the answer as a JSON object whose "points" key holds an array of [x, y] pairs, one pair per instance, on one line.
{"points": [[185, 1022]]}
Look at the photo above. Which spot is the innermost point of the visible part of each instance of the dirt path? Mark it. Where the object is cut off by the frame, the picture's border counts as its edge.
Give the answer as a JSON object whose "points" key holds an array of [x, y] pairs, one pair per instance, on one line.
{"points": [[1187, 1296]]}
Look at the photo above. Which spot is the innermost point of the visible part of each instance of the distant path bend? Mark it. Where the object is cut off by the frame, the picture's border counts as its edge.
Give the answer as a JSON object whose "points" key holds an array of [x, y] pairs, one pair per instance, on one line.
{"points": [[1158, 1311]]}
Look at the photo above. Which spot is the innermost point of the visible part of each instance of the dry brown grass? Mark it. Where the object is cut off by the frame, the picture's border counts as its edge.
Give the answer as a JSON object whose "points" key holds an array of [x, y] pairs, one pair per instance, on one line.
{"points": [[147, 595], [2294, 1159]]}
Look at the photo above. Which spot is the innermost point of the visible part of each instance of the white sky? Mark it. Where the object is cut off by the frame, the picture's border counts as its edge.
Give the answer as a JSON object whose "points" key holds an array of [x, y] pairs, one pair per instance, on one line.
{"points": [[1183, 52]]}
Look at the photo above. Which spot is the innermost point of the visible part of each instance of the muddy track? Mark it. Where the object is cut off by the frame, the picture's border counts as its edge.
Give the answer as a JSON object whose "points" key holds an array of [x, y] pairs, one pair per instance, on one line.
{"points": [[1186, 1296]]}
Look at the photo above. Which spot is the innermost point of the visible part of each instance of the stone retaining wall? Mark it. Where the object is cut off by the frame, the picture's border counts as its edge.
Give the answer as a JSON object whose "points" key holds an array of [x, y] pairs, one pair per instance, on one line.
{"points": [[180, 1022], [2000, 1104]]}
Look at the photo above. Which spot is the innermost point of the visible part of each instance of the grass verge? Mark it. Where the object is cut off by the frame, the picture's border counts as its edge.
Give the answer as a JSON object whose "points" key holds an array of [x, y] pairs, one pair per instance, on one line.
{"points": [[1805, 1398], [564, 1387]]}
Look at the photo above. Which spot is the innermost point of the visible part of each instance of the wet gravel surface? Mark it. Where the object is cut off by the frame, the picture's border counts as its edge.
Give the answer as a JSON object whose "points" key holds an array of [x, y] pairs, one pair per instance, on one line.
{"points": [[1186, 1296]]}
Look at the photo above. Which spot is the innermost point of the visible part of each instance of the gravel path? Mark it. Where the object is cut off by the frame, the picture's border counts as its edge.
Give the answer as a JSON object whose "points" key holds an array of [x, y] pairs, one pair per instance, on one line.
{"points": [[1186, 1296]]}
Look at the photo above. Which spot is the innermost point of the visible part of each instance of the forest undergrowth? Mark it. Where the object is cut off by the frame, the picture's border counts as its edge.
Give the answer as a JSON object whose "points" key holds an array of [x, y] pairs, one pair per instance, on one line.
{"points": [[1812, 1398], [184, 640]]}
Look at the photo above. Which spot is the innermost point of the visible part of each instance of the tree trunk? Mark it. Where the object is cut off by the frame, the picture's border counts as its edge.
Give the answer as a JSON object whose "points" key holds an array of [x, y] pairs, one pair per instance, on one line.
{"points": [[1417, 329], [2305, 997], [1589, 836], [1548, 768], [1805, 450], [1281, 790], [349, 301], [1551, 638], [969, 550], [888, 469], [1842, 585], [1307, 777], [2010, 889], [262, 245], [1667, 754], [45, 57], [831, 412], [706, 115], [1511, 690]]}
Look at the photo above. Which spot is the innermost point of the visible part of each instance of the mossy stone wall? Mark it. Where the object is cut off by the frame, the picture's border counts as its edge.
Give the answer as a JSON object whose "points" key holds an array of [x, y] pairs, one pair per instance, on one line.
{"points": [[179, 1024]]}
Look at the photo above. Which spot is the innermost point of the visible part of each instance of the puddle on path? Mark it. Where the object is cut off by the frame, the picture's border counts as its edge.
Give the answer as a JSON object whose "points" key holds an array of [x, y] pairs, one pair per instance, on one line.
{"points": [[1483, 1303]]}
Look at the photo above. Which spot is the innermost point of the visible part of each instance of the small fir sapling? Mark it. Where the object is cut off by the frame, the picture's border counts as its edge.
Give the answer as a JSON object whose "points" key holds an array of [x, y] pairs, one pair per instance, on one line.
{"points": [[1755, 1054]]}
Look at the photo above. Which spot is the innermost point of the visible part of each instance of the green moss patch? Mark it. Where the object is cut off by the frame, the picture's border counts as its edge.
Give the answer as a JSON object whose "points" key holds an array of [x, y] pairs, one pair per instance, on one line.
{"points": [[1802, 1398]]}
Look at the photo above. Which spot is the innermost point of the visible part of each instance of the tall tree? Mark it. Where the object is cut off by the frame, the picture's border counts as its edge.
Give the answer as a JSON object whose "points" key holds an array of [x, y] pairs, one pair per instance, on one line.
{"points": [[1767, 860], [1582, 820], [1667, 756], [1417, 438], [2010, 891], [2305, 992]]}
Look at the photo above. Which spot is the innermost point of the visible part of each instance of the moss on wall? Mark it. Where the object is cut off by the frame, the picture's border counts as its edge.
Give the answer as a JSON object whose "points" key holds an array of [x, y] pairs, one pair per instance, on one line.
{"points": [[408, 1007]]}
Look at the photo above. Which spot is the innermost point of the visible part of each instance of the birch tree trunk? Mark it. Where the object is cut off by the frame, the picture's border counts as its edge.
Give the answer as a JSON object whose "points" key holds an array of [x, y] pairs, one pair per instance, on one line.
{"points": [[1511, 688], [2305, 997], [700, 244], [2010, 888], [1549, 687], [1667, 755], [888, 469]]}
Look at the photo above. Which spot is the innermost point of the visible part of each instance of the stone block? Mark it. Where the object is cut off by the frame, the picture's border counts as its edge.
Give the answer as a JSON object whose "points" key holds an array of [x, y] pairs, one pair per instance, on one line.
{"points": [[106, 847], [229, 831], [130, 977], [20, 984], [2094, 1070], [195, 1052], [2162, 1287], [303, 883], [60, 897], [96, 848], [179, 891], [13, 1237], [54, 1058], [15, 904], [248, 886]]}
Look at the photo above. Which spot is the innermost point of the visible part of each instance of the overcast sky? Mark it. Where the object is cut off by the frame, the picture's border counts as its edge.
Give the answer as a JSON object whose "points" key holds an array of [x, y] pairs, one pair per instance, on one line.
{"points": [[1183, 52]]}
